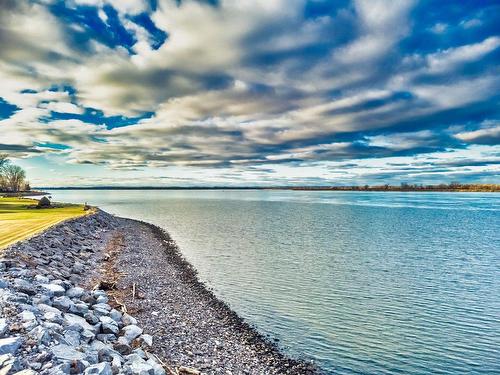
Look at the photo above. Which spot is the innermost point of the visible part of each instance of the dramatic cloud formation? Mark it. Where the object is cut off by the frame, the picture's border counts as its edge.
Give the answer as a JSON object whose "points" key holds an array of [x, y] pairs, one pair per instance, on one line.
{"points": [[250, 92]]}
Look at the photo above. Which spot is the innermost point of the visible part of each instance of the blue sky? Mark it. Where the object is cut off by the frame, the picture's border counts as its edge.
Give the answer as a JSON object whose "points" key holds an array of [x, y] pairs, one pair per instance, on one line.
{"points": [[192, 92]]}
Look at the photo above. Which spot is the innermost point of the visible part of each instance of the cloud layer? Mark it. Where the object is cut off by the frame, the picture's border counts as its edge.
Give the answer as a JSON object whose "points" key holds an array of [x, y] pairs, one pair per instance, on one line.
{"points": [[253, 90]]}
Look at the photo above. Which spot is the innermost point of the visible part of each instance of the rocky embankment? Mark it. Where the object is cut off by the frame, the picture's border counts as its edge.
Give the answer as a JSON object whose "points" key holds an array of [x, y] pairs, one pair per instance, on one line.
{"points": [[55, 317], [50, 325]]}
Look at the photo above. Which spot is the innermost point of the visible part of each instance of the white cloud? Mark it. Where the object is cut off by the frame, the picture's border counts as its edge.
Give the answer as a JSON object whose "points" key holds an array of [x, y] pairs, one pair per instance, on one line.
{"points": [[439, 28], [473, 22], [450, 58], [122, 6], [63, 107], [489, 133], [233, 83]]}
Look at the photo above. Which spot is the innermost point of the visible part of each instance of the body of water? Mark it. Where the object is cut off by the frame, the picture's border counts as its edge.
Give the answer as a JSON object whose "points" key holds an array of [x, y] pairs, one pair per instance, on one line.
{"points": [[361, 282]]}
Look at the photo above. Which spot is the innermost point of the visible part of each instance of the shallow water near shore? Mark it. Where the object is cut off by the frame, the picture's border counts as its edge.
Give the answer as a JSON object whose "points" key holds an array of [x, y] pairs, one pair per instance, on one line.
{"points": [[360, 282]]}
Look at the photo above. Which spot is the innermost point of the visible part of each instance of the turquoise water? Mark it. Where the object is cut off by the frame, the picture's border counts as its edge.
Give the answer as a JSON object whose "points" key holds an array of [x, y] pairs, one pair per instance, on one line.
{"points": [[363, 283]]}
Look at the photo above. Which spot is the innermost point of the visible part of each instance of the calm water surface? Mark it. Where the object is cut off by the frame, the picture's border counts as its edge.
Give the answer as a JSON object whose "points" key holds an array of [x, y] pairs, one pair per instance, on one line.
{"points": [[363, 283]]}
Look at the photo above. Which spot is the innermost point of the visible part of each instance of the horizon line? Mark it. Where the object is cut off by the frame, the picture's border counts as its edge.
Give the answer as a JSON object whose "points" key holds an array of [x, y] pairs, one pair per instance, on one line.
{"points": [[264, 187]]}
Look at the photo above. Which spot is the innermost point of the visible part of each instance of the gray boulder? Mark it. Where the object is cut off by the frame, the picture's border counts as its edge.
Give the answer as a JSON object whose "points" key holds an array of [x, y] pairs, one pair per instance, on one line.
{"points": [[100, 369], [109, 325], [66, 352], [3, 327], [54, 289], [62, 303], [75, 292], [141, 368], [79, 322], [24, 286], [44, 202], [10, 345], [26, 372], [131, 332]]}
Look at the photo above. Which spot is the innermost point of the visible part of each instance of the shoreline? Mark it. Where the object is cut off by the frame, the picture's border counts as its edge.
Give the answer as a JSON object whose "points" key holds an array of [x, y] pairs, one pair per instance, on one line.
{"points": [[495, 189], [192, 275], [194, 317], [249, 340]]}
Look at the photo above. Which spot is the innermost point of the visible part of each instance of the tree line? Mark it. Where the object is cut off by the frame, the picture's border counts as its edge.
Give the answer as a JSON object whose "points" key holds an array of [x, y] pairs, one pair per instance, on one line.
{"points": [[12, 177], [453, 186]]}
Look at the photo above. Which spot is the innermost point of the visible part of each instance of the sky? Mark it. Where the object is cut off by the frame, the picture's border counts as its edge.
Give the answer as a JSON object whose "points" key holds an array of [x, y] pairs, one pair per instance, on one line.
{"points": [[250, 92]]}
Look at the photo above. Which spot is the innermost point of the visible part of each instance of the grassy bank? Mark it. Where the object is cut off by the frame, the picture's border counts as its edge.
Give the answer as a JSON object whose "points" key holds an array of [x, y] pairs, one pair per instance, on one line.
{"points": [[18, 221]]}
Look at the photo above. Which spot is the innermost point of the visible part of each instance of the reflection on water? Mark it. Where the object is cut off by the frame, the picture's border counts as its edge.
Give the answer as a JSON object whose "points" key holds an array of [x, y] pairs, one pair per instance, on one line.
{"points": [[362, 282]]}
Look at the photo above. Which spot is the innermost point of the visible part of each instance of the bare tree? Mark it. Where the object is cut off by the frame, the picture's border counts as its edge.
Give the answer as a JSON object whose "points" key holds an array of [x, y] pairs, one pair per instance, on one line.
{"points": [[3, 161], [12, 178]]}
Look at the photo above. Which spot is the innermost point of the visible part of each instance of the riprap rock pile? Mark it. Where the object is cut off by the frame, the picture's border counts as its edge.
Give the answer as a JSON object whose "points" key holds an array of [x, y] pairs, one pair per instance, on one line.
{"points": [[51, 325]]}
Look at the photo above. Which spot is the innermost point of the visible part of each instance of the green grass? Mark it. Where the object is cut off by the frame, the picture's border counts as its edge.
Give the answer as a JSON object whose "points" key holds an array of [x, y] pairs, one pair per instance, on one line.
{"points": [[18, 221]]}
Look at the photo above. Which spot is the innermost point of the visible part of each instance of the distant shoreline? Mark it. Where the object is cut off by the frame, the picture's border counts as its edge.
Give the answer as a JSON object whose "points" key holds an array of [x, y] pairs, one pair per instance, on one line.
{"points": [[463, 188], [23, 193]]}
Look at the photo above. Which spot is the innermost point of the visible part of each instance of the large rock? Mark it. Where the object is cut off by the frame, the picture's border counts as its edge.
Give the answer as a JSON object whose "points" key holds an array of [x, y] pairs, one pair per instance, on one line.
{"points": [[109, 325], [72, 320], [158, 369], [62, 303], [53, 317], [99, 369], [24, 286], [79, 309], [8, 364], [26, 372], [147, 340], [72, 338], [128, 320], [86, 336], [54, 289], [115, 315], [10, 345], [46, 308], [66, 352], [27, 316], [3, 327], [131, 332], [44, 202], [41, 335], [75, 292], [141, 368], [42, 279]]}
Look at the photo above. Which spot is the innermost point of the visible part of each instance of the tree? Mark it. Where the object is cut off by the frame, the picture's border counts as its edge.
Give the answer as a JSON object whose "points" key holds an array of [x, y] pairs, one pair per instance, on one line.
{"points": [[12, 178], [3, 161]]}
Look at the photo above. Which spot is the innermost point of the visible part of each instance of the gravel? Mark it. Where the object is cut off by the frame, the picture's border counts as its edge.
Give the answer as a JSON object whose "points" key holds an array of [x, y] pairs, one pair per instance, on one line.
{"points": [[190, 326], [106, 295]]}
